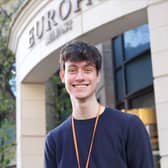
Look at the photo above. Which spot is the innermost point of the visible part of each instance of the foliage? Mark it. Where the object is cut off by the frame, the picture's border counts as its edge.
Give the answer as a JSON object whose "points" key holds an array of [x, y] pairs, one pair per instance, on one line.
{"points": [[7, 72], [59, 100], [7, 97], [7, 143], [7, 105]]}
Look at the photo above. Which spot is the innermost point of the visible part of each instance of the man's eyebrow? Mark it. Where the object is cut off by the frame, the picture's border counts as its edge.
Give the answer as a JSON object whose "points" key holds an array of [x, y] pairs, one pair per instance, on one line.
{"points": [[72, 65], [90, 64]]}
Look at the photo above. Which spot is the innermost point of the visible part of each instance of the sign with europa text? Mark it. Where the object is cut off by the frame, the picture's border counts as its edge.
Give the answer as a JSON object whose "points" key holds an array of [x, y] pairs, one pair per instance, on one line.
{"points": [[56, 21]]}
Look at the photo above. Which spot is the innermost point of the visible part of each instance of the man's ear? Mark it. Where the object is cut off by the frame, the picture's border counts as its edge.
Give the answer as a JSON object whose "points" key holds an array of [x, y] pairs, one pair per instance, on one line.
{"points": [[61, 74]]}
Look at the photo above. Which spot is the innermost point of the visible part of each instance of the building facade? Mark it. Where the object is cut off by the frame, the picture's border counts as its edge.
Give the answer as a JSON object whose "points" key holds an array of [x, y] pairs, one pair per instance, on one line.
{"points": [[132, 37]]}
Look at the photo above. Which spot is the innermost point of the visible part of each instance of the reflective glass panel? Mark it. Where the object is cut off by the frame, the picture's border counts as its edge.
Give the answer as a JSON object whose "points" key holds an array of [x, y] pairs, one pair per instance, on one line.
{"points": [[139, 74], [136, 41], [119, 85], [118, 54]]}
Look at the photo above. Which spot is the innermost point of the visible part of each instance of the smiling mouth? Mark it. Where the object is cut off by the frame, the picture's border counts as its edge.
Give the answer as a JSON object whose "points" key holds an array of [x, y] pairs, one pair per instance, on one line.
{"points": [[80, 85]]}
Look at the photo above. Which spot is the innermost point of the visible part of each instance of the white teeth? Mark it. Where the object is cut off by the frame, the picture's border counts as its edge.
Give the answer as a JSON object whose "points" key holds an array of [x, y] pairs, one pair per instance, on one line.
{"points": [[81, 86]]}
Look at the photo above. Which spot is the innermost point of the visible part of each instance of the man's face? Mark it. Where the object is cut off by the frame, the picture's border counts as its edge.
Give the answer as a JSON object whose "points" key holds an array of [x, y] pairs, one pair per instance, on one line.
{"points": [[80, 79]]}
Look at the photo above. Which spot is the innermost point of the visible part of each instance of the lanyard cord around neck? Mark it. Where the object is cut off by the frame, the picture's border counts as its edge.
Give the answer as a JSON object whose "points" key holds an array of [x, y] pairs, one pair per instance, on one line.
{"points": [[92, 140]]}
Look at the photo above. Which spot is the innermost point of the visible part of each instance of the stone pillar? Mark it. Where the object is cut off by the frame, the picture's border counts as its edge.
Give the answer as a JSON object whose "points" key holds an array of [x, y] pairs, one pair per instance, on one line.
{"points": [[109, 74], [158, 25], [105, 90], [30, 125]]}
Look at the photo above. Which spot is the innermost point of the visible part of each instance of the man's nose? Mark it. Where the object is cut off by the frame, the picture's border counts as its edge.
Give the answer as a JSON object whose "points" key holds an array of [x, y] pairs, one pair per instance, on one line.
{"points": [[80, 75]]}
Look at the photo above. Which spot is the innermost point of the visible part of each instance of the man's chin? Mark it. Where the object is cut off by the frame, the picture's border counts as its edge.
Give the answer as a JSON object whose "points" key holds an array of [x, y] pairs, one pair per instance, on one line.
{"points": [[80, 98]]}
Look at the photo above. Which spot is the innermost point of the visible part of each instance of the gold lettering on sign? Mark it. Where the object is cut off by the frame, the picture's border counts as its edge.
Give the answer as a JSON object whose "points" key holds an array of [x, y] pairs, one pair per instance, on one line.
{"points": [[53, 23], [59, 31]]}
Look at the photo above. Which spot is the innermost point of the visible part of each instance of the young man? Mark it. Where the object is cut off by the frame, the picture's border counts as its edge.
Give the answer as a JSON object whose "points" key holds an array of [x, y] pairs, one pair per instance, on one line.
{"points": [[94, 136]]}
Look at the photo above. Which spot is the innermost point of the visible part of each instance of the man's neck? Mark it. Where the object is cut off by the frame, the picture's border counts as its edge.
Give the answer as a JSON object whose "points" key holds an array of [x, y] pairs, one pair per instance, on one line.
{"points": [[85, 110]]}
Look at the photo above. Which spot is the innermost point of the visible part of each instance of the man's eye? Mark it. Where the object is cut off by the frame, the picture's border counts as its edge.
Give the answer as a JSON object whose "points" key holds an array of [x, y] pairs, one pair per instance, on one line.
{"points": [[72, 70], [88, 70]]}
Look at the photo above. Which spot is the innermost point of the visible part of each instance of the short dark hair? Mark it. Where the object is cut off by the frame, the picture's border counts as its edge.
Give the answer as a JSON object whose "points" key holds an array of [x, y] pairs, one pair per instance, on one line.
{"points": [[77, 51]]}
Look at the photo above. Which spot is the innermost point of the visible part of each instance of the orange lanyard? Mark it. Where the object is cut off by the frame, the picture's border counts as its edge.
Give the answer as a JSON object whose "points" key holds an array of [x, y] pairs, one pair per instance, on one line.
{"points": [[92, 140]]}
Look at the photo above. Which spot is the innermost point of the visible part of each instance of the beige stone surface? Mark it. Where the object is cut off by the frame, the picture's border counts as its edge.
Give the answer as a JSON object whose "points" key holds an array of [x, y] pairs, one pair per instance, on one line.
{"points": [[161, 89], [159, 39], [160, 58], [31, 125], [157, 14], [162, 115]]}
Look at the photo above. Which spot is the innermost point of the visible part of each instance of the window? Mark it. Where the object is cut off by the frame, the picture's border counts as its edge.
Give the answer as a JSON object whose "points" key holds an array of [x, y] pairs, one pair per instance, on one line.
{"points": [[136, 41], [132, 65], [133, 79]]}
